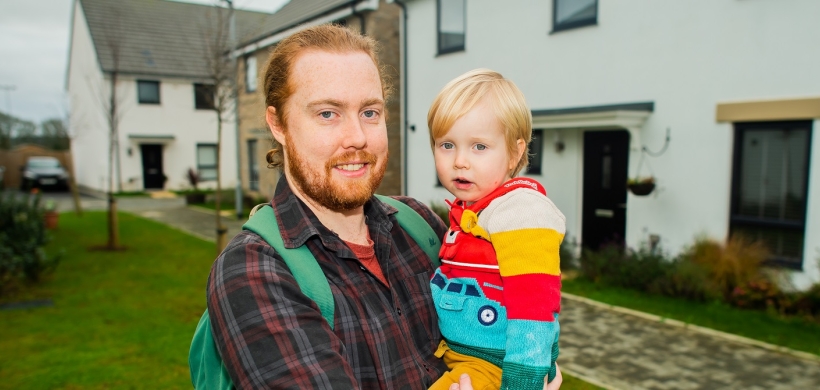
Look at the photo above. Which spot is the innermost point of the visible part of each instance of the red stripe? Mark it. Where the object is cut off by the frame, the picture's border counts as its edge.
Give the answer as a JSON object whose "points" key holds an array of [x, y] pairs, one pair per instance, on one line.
{"points": [[532, 296]]}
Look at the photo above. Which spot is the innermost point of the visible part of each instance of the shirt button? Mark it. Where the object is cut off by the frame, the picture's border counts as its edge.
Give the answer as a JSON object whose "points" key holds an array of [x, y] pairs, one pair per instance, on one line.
{"points": [[362, 268], [398, 310]]}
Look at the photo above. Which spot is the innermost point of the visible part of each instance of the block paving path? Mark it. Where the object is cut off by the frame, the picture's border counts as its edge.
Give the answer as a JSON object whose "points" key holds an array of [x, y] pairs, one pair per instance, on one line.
{"points": [[613, 349], [624, 351]]}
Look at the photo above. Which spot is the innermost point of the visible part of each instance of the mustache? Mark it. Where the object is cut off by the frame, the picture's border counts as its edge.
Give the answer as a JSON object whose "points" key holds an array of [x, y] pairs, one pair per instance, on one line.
{"points": [[358, 156]]}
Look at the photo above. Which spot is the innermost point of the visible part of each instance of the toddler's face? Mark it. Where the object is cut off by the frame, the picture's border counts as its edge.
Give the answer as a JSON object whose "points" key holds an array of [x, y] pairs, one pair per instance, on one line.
{"points": [[472, 159]]}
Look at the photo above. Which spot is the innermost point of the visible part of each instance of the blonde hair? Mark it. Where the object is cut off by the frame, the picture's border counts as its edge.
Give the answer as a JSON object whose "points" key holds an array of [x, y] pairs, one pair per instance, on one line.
{"points": [[461, 94], [278, 85]]}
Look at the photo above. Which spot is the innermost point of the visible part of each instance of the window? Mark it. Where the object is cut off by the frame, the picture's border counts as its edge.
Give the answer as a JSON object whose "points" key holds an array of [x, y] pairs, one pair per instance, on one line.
{"points": [[206, 161], [451, 17], [253, 166], [204, 96], [567, 14], [536, 152], [250, 74], [769, 186], [148, 92]]}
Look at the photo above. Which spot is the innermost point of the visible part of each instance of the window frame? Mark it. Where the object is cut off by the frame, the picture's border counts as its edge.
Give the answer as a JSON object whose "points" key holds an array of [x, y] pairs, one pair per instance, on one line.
{"points": [[454, 49], [200, 166], [198, 87], [159, 92], [253, 175], [255, 78], [735, 219], [557, 27], [538, 156]]}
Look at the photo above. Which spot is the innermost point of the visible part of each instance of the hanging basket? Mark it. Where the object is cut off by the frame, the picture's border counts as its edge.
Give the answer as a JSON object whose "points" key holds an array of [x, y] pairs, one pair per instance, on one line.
{"points": [[641, 188]]}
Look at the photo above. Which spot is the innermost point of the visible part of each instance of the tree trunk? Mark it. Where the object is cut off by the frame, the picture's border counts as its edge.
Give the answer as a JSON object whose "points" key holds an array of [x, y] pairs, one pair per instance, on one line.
{"points": [[113, 225], [72, 184]]}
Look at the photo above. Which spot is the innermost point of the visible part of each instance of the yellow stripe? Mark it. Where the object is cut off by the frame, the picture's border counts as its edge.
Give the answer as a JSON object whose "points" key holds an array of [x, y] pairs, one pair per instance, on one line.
{"points": [[528, 251]]}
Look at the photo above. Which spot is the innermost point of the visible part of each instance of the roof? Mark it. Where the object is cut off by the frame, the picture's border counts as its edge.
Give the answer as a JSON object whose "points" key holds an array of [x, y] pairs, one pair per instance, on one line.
{"points": [[158, 37], [297, 12], [642, 106]]}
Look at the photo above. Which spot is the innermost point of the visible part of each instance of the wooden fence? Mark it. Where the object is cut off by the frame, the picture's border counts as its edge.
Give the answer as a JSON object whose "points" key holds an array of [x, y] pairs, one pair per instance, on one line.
{"points": [[14, 159]]}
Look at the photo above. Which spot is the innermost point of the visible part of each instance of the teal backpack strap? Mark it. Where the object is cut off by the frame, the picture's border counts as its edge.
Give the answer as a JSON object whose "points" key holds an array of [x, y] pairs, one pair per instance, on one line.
{"points": [[207, 369], [417, 227], [302, 263]]}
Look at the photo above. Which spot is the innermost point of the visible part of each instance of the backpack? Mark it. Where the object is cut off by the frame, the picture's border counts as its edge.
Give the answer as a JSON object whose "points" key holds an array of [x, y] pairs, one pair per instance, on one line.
{"points": [[207, 369]]}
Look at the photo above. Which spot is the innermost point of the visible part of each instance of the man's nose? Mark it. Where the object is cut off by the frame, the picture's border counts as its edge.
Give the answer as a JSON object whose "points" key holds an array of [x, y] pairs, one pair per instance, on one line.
{"points": [[354, 135]]}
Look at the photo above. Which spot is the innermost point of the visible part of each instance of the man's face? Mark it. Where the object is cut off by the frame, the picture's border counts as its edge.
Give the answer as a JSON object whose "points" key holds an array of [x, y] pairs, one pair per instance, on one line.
{"points": [[335, 137]]}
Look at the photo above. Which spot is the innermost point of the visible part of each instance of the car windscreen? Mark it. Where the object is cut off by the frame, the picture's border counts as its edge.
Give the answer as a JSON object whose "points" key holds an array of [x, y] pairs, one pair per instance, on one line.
{"points": [[43, 164]]}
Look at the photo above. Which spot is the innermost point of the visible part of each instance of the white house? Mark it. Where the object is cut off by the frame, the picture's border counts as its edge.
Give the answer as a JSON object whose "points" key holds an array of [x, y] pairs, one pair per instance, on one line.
{"points": [[735, 83], [167, 124]]}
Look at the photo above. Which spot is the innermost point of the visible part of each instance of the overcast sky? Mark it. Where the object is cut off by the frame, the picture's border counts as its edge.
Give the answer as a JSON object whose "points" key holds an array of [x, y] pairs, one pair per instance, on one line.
{"points": [[34, 51]]}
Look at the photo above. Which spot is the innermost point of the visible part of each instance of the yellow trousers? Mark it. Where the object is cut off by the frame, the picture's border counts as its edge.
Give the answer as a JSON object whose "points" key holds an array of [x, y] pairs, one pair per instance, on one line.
{"points": [[484, 375]]}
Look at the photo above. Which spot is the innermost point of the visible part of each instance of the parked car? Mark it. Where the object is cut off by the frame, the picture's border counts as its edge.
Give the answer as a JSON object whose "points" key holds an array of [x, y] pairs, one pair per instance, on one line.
{"points": [[43, 171]]}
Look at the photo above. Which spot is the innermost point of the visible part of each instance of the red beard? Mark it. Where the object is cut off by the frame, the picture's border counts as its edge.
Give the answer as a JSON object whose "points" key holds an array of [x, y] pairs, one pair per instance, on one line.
{"points": [[332, 195]]}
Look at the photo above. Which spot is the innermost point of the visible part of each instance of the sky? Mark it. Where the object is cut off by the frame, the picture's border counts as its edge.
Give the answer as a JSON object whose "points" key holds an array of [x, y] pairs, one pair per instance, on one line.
{"points": [[34, 38]]}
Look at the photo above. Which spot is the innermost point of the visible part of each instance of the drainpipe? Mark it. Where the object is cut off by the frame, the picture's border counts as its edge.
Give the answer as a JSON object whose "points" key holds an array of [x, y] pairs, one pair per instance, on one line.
{"points": [[357, 13], [404, 87]]}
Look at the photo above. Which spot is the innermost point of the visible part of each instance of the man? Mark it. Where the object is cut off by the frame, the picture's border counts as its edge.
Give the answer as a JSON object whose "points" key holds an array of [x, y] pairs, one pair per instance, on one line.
{"points": [[325, 97]]}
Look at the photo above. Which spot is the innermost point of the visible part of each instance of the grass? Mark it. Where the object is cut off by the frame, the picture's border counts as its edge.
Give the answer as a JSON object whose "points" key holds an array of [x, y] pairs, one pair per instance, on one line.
{"points": [[796, 333], [119, 320]]}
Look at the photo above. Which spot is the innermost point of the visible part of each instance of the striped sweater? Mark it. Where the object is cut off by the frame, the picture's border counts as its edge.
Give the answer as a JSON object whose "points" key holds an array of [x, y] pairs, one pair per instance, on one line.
{"points": [[497, 292]]}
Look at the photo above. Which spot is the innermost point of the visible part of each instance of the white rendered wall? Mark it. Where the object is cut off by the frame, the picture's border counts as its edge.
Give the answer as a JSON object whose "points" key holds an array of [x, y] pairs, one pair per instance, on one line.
{"points": [[685, 56], [87, 92], [176, 116]]}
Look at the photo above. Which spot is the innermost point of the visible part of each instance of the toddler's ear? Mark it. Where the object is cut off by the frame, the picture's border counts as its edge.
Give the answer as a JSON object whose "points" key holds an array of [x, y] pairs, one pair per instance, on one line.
{"points": [[520, 149]]}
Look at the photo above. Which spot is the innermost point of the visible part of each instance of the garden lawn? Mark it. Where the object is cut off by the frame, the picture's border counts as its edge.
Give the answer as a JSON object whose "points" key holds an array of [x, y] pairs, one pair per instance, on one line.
{"points": [[796, 333], [119, 320]]}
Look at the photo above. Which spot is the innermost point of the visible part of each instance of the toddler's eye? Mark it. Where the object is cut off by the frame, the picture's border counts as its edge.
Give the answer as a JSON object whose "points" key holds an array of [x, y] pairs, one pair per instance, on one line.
{"points": [[447, 145], [326, 114], [480, 147]]}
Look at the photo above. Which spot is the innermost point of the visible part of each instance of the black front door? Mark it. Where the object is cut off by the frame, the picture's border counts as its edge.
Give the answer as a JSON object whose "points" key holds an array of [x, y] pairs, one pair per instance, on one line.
{"points": [[606, 154], [152, 177]]}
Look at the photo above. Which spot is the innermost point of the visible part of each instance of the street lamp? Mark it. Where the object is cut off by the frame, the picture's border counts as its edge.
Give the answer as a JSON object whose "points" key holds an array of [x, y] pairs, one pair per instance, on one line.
{"points": [[235, 92], [8, 89]]}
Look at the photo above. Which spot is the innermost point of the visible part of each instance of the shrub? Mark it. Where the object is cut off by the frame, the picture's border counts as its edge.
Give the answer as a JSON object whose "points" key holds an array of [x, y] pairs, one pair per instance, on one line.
{"points": [[736, 264], [615, 266], [22, 237], [685, 279]]}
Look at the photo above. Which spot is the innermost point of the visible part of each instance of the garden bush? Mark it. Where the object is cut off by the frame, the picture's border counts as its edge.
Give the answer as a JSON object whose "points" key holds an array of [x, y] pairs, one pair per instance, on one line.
{"points": [[22, 237], [707, 271]]}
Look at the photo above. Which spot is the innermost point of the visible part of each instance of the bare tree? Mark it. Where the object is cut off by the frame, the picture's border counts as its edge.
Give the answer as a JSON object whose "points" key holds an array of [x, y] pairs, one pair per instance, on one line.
{"points": [[221, 71], [111, 103]]}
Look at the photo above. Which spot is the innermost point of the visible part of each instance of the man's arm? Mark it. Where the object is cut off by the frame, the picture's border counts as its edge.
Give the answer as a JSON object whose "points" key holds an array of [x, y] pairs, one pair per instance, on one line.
{"points": [[268, 333]]}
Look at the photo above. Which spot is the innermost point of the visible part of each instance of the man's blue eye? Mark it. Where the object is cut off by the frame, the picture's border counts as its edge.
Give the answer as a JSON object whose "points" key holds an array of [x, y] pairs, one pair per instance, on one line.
{"points": [[480, 147], [326, 114], [370, 114]]}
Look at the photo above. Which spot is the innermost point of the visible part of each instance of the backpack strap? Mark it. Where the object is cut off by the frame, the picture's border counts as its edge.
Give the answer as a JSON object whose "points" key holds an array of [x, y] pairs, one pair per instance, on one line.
{"points": [[302, 263], [417, 227]]}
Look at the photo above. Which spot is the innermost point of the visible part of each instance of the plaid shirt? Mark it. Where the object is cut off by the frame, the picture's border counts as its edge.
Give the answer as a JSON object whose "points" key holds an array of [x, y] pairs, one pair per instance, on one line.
{"points": [[270, 335]]}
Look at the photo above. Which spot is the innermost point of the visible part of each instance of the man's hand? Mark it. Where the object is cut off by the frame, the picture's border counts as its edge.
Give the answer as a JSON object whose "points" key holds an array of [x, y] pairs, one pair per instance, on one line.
{"points": [[464, 382]]}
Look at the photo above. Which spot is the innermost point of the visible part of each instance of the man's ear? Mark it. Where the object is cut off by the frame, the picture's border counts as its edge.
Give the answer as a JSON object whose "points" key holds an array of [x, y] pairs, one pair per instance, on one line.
{"points": [[520, 149], [276, 128]]}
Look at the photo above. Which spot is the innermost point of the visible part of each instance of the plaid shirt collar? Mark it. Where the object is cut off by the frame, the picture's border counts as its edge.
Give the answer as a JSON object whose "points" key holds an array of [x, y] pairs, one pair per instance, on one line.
{"points": [[298, 223]]}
